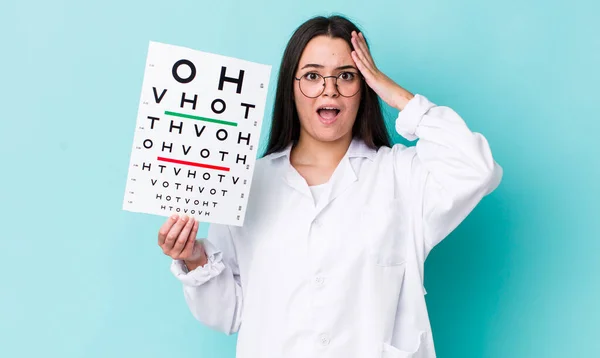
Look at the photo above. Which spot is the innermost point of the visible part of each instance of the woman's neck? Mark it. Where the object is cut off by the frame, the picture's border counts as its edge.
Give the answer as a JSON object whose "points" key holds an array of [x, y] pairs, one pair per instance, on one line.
{"points": [[312, 152]]}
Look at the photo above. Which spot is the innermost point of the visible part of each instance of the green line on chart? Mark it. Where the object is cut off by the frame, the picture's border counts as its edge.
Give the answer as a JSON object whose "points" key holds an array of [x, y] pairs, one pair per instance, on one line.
{"points": [[200, 118]]}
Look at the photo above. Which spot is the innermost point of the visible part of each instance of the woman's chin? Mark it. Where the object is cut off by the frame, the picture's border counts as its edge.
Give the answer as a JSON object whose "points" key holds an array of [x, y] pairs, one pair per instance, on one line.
{"points": [[325, 135]]}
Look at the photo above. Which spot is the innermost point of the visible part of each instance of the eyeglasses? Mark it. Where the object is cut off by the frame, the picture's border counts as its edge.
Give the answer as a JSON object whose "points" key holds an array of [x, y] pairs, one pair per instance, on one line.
{"points": [[312, 84]]}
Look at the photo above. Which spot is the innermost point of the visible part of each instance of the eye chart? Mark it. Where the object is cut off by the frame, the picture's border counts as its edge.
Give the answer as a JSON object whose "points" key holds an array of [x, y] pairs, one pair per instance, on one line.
{"points": [[196, 135]]}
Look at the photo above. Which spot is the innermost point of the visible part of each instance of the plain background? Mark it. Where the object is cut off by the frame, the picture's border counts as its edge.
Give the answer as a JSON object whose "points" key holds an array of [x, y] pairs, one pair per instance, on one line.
{"points": [[82, 278]]}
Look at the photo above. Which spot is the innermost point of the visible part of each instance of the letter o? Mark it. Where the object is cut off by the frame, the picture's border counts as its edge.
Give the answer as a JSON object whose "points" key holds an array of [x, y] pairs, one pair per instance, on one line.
{"points": [[222, 131], [222, 104], [179, 78]]}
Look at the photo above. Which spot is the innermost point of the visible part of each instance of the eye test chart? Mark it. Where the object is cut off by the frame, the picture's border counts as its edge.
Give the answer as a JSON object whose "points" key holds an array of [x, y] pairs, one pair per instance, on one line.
{"points": [[196, 135]]}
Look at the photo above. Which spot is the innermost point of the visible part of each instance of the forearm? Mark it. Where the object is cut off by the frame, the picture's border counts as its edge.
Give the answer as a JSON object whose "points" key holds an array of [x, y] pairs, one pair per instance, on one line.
{"points": [[456, 157], [217, 302], [401, 97]]}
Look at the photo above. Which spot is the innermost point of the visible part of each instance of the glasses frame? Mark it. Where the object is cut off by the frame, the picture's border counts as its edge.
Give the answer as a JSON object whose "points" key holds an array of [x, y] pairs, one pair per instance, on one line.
{"points": [[360, 76]]}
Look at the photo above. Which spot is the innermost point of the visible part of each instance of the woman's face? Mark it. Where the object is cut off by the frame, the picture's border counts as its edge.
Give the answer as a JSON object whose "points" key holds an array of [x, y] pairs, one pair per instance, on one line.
{"points": [[329, 116]]}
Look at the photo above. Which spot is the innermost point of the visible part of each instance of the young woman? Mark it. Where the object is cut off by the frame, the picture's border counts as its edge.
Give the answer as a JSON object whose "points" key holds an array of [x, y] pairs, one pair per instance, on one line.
{"points": [[329, 262]]}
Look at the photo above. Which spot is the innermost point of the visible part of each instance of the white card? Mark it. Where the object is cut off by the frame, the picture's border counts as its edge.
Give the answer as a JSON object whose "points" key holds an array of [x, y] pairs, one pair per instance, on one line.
{"points": [[197, 134]]}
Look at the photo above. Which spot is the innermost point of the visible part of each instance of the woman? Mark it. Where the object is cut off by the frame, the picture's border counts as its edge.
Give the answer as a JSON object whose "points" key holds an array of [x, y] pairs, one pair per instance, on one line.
{"points": [[329, 262]]}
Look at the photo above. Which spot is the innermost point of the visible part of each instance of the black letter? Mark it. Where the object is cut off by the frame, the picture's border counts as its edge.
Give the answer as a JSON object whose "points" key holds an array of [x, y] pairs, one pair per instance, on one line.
{"points": [[180, 127], [148, 144], [222, 131], [198, 134], [156, 97], [153, 119], [192, 68], [248, 106], [212, 106], [170, 146], [247, 139], [240, 158], [192, 101], [238, 80]]}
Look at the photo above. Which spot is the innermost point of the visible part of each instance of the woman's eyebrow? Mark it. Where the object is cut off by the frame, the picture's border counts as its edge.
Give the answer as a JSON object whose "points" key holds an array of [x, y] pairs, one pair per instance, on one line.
{"points": [[314, 65]]}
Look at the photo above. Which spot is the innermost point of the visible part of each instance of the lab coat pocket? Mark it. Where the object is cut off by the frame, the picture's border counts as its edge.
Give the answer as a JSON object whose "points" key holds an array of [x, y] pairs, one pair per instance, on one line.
{"points": [[381, 226], [389, 351]]}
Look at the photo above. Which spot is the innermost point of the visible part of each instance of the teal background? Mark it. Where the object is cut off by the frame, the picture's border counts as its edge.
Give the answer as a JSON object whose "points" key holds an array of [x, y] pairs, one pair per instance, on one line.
{"points": [[82, 278]]}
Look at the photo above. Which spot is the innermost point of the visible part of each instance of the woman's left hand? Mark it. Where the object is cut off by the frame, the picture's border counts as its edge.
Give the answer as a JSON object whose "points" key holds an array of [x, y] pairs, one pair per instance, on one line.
{"points": [[389, 91]]}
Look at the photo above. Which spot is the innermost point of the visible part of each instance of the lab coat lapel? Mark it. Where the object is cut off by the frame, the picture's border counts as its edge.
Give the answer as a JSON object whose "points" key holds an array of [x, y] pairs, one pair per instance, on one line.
{"points": [[295, 180], [342, 178]]}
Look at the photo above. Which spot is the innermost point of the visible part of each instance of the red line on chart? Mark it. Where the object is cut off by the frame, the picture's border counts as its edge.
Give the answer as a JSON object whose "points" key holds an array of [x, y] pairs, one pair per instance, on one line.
{"points": [[193, 164]]}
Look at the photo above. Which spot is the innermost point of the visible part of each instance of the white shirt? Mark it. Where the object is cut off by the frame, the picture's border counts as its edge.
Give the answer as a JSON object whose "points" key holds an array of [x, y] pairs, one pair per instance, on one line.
{"points": [[317, 191], [342, 276]]}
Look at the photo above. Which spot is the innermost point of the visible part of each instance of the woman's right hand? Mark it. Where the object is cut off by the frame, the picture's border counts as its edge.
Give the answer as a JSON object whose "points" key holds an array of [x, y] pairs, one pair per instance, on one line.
{"points": [[177, 239]]}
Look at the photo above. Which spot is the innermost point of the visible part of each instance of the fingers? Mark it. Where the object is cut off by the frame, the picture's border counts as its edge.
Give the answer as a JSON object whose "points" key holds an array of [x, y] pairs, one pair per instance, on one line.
{"points": [[362, 51], [188, 250], [366, 51], [359, 63], [173, 234], [165, 228], [183, 237], [358, 47]]}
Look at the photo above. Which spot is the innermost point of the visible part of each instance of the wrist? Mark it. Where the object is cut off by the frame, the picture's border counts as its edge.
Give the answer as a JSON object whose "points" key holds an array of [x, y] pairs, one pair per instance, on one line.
{"points": [[193, 264], [402, 98]]}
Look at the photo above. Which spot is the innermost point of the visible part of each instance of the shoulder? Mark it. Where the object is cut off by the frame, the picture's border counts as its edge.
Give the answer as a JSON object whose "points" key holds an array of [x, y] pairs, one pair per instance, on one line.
{"points": [[397, 153], [266, 164], [266, 169]]}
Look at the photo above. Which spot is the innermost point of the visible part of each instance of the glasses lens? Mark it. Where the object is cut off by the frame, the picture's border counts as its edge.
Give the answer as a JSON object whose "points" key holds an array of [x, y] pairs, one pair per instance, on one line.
{"points": [[348, 84], [312, 85]]}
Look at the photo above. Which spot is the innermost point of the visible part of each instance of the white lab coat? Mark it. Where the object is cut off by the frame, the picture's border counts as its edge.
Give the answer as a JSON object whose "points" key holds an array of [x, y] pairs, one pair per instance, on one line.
{"points": [[343, 277]]}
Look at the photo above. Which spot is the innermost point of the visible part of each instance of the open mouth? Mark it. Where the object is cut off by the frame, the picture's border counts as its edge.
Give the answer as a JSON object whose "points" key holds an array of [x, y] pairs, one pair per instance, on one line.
{"points": [[328, 114]]}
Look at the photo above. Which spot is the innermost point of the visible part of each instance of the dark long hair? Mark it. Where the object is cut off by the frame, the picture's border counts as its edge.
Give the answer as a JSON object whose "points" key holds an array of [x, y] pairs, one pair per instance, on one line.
{"points": [[285, 127]]}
